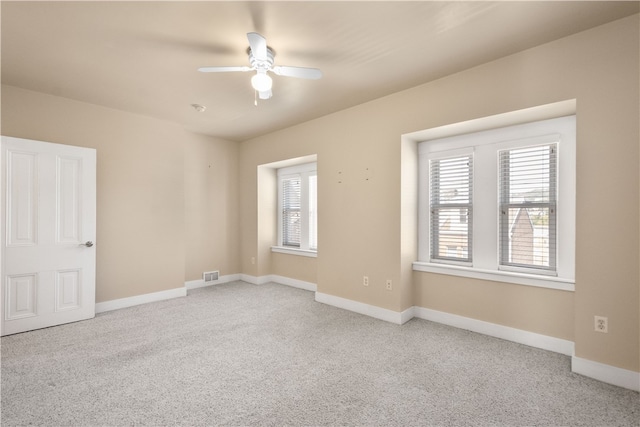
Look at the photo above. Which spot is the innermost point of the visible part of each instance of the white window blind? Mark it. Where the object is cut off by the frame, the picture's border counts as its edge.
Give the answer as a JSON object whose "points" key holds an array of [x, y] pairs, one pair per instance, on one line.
{"points": [[291, 224], [451, 188], [528, 207]]}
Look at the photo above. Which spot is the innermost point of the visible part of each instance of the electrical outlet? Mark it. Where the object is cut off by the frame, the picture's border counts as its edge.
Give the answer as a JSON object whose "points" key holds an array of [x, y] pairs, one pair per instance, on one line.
{"points": [[365, 280], [253, 260], [601, 324], [389, 285]]}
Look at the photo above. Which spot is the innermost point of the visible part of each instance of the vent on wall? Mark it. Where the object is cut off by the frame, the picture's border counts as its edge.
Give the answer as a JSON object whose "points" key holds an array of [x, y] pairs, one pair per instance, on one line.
{"points": [[210, 276]]}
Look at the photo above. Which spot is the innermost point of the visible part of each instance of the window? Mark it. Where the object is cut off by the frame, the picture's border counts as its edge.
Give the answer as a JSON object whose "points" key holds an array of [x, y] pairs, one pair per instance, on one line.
{"points": [[500, 204], [298, 213], [527, 212], [451, 208]]}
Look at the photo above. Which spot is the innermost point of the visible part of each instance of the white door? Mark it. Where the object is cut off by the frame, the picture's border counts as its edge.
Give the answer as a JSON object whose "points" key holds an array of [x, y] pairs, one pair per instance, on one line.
{"points": [[48, 234]]}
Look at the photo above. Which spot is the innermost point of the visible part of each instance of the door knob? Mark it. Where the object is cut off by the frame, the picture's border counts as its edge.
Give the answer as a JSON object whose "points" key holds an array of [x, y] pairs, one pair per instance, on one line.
{"points": [[89, 243]]}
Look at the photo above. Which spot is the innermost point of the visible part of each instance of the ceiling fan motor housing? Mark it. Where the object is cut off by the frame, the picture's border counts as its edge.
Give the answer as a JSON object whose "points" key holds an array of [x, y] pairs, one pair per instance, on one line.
{"points": [[264, 64]]}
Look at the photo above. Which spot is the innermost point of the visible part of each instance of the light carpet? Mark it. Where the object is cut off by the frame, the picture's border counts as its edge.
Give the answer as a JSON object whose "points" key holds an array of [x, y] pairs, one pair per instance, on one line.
{"points": [[269, 355]]}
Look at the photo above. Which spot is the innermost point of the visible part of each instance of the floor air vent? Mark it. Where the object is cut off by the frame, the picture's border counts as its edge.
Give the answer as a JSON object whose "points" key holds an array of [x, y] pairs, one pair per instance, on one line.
{"points": [[210, 276]]}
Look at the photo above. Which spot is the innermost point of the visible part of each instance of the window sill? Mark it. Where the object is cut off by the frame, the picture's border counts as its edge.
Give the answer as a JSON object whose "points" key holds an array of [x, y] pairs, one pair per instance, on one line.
{"points": [[497, 276], [294, 251]]}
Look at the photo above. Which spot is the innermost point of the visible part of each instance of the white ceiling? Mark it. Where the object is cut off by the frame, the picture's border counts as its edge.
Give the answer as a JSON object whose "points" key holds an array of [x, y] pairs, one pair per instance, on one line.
{"points": [[142, 57]]}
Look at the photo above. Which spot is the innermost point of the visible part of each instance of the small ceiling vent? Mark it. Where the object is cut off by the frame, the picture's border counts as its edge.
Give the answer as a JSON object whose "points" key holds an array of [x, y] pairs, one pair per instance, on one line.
{"points": [[210, 276]]}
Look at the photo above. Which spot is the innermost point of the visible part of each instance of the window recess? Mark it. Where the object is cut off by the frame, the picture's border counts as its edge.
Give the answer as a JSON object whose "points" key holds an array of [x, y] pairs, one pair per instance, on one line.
{"points": [[499, 204], [297, 208]]}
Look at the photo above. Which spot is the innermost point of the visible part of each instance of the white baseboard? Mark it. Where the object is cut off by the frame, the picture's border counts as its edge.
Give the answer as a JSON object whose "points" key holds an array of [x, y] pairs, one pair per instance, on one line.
{"points": [[407, 315], [361, 308], [116, 304], [606, 373], [252, 279], [195, 284], [520, 336], [261, 280], [295, 283]]}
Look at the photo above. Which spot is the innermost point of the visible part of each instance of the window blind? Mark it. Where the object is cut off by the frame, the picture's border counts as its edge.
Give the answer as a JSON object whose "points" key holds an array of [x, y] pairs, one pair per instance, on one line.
{"points": [[451, 188], [528, 187], [291, 224], [313, 212]]}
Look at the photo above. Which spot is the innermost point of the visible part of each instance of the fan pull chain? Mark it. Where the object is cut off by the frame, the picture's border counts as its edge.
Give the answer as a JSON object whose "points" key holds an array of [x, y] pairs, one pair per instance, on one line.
{"points": [[255, 98]]}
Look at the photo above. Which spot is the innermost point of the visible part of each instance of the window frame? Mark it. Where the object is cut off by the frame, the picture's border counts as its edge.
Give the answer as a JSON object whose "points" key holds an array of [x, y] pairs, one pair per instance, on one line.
{"points": [[304, 172], [485, 145]]}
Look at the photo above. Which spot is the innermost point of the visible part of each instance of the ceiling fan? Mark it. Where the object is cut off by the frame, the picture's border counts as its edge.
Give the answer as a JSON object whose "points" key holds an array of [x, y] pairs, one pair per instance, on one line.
{"points": [[261, 60]]}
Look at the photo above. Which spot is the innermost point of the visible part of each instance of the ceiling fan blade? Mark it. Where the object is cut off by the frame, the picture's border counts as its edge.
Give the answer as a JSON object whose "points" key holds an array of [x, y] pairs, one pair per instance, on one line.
{"points": [[265, 94], [300, 72], [223, 69], [258, 46]]}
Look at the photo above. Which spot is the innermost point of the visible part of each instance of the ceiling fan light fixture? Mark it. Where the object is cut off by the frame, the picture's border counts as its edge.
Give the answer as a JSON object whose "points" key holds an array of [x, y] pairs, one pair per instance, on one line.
{"points": [[261, 59], [261, 82]]}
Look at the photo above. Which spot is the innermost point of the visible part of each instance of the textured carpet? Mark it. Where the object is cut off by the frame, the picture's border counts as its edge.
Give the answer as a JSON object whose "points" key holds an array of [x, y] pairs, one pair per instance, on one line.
{"points": [[239, 354]]}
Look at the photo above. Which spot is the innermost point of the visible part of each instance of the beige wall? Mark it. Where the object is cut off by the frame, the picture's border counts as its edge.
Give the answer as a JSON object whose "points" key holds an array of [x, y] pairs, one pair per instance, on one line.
{"points": [[300, 268], [211, 206], [156, 218], [367, 220], [267, 217], [527, 308]]}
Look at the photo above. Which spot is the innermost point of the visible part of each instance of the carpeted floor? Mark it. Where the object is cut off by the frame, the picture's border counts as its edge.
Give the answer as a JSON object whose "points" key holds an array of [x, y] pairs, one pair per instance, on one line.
{"points": [[239, 354]]}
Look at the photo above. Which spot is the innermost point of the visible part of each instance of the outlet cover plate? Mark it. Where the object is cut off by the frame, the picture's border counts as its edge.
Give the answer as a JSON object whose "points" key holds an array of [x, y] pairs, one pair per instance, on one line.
{"points": [[601, 324]]}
